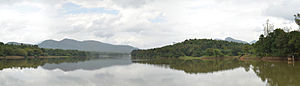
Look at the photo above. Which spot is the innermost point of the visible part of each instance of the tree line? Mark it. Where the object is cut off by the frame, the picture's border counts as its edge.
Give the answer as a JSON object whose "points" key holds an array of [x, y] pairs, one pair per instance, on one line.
{"points": [[279, 44], [196, 48], [34, 50]]}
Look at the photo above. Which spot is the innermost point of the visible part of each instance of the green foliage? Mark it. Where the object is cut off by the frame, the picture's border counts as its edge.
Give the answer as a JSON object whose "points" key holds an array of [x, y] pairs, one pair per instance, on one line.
{"points": [[297, 19], [218, 53], [21, 52], [194, 48], [34, 50], [279, 43]]}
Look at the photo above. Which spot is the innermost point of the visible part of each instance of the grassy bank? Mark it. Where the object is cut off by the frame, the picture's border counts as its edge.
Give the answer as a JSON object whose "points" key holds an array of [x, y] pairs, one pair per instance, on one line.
{"points": [[243, 58], [189, 58], [205, 57]]}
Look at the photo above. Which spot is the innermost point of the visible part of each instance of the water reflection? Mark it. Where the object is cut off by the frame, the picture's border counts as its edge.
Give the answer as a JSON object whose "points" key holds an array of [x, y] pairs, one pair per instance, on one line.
{"points": [[274, 73], [91, 64], [120, 71], [34, 63], [125, 75], [199, 66], [278, 73], [67, 64]]}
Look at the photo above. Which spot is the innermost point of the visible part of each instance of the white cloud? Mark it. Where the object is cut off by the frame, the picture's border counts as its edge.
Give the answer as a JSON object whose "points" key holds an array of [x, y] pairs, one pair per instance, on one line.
{"points": [[283, 9], [141, 23]]}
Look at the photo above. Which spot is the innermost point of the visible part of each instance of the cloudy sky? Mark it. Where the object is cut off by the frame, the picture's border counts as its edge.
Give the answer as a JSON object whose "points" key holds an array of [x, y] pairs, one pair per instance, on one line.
{"points": [[141, 23]]}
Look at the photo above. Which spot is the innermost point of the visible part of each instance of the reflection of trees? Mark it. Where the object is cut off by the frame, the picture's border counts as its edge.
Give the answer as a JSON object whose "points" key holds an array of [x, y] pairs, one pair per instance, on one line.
{"points": [[278, 73], [200, 66], [34, 63], [275, 73]]}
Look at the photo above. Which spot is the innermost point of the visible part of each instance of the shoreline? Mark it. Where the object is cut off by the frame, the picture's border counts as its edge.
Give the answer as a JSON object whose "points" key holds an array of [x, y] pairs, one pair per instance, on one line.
{"points": [[268, 58], [241, 58], [33, 57]]}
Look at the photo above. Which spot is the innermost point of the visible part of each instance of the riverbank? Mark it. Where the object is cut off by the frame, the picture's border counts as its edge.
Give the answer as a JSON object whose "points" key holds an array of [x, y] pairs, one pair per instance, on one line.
{"points": [[242, 58], [268, 58], [33, 57], [206, 57]]}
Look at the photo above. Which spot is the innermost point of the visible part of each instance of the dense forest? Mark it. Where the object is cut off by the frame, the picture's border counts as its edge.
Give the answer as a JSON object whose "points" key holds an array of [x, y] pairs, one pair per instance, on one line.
{"points": [[34, 50], [196, 48], [279, 43]]}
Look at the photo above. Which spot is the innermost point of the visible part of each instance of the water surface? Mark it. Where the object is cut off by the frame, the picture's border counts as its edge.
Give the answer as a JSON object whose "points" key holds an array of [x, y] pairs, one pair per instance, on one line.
{"points": [[121, 71]]}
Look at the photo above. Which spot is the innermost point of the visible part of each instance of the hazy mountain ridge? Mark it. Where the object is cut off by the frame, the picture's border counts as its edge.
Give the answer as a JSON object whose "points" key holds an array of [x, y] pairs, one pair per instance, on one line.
{"points": [[230, 39], [252, 42], [235, 40], [89, 45]]}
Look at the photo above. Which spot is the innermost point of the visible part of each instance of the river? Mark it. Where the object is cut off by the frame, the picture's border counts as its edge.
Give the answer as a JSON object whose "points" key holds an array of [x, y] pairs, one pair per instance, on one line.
{"points": [[122, 71]]}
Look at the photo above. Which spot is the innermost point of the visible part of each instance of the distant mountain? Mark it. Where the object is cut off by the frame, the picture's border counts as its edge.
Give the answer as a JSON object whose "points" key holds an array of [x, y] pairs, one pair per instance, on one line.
{"points": [[218, 39], [252, 42], [235, 40], [86, 46]]}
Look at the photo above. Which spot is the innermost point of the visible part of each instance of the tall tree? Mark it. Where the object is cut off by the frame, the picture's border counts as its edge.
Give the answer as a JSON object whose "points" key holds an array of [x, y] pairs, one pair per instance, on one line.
{"points": [[297, 19], [268, 28]]}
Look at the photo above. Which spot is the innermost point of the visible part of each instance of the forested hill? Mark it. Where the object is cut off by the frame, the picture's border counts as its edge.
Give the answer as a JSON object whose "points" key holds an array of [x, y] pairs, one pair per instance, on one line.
{"points": [[35, 51], [195, 48]]}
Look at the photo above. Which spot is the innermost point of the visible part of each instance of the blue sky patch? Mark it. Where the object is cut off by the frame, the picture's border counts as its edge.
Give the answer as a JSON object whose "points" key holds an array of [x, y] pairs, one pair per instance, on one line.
{"points": [[158, 19], [27, 9], [71, 8]]}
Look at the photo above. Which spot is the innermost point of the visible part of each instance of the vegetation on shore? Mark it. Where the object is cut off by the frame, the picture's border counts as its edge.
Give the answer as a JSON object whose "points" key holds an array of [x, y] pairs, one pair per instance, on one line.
{"points": [[195, 48], [189, 58], [278, 44], [35, 51]]}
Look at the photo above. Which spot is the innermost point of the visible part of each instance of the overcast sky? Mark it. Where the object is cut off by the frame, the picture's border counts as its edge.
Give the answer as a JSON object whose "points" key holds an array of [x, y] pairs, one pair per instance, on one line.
{"points": [[141, 23]]}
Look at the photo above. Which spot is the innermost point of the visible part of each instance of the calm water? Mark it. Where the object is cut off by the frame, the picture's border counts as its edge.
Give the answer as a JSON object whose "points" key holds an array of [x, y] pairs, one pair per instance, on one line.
{"points": [[121, 71]]}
